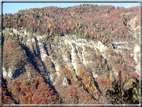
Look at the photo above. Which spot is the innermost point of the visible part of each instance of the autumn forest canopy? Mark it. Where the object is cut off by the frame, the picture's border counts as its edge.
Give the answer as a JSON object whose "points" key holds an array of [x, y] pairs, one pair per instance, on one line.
{"points": [[87, 21], [85, 54]]}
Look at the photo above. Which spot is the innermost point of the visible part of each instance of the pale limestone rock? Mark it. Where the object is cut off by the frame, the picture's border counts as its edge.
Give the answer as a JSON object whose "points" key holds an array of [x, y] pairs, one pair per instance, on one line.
{"points": [[136, 53], [10, 74], [4, 72], [29, 75], [95, 76], [65, 82], [58, 74]]}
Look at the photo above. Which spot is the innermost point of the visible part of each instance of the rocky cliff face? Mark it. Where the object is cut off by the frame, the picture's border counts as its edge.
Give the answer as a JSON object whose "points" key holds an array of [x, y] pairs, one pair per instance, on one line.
{"points": [[85, 54], [69, 51], [49, 59]]}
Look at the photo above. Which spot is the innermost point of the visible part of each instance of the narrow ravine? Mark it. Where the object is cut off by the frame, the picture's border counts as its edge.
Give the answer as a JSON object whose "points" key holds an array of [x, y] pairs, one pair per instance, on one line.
{"points": [[79, 54], [53, 62], [73, 59], [42, 61]]}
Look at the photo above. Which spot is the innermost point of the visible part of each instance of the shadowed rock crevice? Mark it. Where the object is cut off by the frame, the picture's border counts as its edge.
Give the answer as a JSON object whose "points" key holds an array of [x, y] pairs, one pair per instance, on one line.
{"points": [[46, 70]]}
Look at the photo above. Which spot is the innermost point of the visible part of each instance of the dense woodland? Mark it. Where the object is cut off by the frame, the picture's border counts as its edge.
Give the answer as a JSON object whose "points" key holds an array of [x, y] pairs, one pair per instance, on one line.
{"points": [[98, 23], [87, 21]]}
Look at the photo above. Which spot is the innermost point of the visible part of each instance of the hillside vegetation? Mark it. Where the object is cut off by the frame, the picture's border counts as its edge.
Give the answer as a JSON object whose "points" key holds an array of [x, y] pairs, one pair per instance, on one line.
{"points": [[85, 54]]}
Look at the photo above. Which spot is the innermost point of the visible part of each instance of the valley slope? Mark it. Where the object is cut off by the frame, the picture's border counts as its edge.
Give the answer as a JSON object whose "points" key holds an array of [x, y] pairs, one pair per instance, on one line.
{"points": [[64, 62]]}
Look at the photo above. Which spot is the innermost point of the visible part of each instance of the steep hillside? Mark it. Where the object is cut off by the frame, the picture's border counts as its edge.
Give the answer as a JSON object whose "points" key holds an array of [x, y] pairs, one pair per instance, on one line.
{"points": [[59, 61]]}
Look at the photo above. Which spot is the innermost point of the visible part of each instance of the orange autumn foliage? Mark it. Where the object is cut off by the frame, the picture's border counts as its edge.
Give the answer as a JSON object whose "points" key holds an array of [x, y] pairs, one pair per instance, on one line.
{"points": [[13, 44], [66, 71], [80, 74], [104, 82], [38, 93]]}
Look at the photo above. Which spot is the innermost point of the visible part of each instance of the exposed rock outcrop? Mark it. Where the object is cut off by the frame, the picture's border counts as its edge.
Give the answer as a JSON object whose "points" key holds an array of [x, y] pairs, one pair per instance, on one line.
{"points": [[65, 82]]}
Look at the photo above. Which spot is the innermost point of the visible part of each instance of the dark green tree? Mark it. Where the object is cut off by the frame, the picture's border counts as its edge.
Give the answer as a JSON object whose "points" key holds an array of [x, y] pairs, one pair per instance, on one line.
{"points": [[124, 92]]}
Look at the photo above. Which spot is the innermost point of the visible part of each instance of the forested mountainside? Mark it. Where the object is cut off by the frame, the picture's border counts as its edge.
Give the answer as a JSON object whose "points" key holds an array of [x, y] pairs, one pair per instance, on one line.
{"points": [[85, 54]]}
